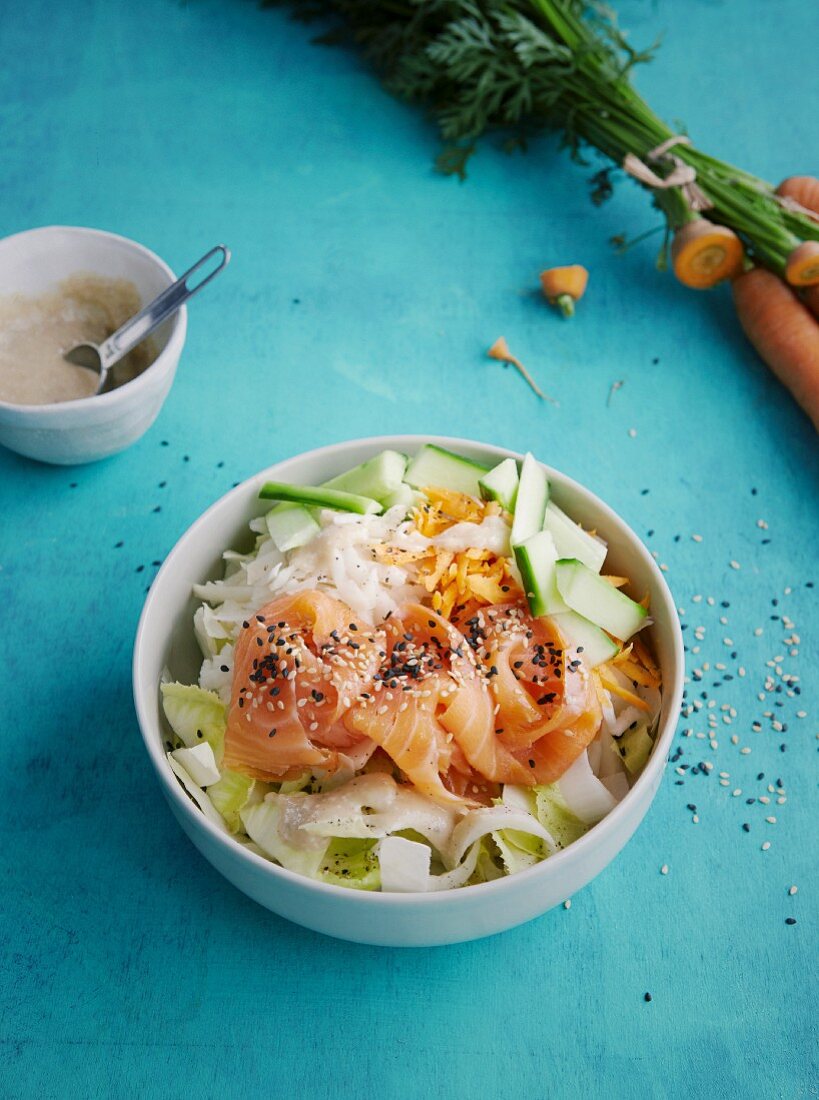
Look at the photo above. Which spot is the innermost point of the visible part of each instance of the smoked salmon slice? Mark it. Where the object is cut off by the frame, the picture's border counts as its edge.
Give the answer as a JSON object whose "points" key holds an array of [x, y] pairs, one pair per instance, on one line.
{"points": [[299, 664], [547, 707], [431, 709]]}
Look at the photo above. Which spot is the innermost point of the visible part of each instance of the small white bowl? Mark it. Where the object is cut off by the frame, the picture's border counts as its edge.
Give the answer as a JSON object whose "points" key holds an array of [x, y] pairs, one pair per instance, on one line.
{"points": [[70, 432], [165, 639]]}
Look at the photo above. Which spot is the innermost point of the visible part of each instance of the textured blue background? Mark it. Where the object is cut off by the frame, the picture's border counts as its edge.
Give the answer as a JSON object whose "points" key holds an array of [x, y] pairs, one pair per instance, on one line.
{"points": [[363, 293]]}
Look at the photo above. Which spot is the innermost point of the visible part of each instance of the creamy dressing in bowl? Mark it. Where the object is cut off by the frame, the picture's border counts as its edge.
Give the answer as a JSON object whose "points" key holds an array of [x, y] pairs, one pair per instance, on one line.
{"points": [[35, 332]]}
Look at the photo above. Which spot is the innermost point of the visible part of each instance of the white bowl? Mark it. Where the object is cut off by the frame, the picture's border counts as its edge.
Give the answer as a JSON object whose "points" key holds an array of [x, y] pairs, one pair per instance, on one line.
{"points": [[71, 432], [165, 639]]}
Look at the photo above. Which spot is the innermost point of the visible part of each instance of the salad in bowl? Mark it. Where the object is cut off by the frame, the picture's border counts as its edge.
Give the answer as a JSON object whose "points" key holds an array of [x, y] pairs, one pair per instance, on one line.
{"points": [[422, 676]]}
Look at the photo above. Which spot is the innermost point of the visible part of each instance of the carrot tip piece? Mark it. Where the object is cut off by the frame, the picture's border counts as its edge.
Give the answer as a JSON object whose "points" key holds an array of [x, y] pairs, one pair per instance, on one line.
{"points": [[500, 350]]}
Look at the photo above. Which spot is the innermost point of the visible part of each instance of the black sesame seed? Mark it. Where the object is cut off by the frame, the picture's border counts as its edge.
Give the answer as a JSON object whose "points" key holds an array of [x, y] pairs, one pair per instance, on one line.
{"points": [[647, 997], [790, 920], [746, 828]]}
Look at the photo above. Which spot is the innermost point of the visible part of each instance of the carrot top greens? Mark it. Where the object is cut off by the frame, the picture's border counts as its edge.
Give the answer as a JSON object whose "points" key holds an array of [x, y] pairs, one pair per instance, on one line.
{"points": [[526, 65]]}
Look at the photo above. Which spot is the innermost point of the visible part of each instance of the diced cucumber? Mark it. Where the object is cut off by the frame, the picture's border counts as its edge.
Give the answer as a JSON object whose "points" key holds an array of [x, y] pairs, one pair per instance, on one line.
{"points": [[571, 540], [536, 559], [319, 498], [594, 645], [405, 495], [376, 478], [598, 601], [533, 496], [635, 747], [501, 484], [290, 526], [435, 467]]}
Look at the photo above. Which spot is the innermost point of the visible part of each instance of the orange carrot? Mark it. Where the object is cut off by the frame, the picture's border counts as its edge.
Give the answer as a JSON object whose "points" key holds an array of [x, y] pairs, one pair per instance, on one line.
{"points": [[783, 332], [803, 190], [703, 254], [500, 350], [802, 267], [564, 286]]}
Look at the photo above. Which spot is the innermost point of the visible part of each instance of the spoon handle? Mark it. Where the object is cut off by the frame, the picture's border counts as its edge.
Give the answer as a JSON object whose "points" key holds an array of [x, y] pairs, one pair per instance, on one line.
{"points": [[168, 302]]}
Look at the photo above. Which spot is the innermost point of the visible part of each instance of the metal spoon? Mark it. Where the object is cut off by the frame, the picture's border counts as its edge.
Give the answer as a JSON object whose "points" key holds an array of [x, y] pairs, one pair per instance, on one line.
{"points": [[101, 358]]}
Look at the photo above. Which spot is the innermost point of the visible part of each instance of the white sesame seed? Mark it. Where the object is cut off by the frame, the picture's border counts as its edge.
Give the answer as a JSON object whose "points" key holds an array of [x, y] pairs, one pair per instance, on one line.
{"points": [[736, 793], [762, 525], [735, 565], [727, 641], [664, 869], [734, 739], [697, 538], [695, 819], [741, 670], [632, 433], [714, 744], [781, 800], [567, 904], [801, 714], [793, 890], [709, 767], [745, 751], [763, 798], [766, 846], [696, 599], [758, 632], [771, 820], [724, 783], [680, 771], [710, 601]]}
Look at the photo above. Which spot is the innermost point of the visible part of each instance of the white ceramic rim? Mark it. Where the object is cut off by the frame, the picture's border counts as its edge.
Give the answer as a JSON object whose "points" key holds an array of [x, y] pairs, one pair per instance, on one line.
{"points": [[174, 345], [552, 865]]}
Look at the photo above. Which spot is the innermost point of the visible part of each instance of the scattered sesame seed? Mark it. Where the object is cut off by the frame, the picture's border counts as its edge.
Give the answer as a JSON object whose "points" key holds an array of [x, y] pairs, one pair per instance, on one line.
{"points": [[647, 996], [664, 869], [766, 845], [790, 920], [567, 904], [632, 433], [793, 890]]}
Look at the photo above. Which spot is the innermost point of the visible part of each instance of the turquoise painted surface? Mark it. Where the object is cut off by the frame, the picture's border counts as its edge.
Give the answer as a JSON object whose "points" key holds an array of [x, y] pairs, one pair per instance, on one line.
{"points": [[363, 293]]}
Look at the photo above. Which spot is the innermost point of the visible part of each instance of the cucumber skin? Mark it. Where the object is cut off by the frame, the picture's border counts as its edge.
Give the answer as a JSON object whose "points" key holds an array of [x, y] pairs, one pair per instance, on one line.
{"points": [[571, 568], [502, 495], [608, 648], [530, 471], [293, 532], [312, 497], [593, 550], [376, 478], [463, 471], [531, 587], [543, 598]]}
